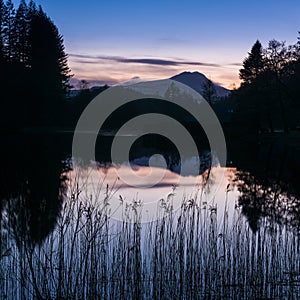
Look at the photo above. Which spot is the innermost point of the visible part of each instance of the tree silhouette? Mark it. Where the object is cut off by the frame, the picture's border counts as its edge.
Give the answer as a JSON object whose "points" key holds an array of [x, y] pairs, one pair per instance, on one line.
{"points": [[8, 29], [21, 33], [278, 58], [49, 64], [34, 71], [267, 101], [1, 31], [292, 85], [268, 89], [209, 91], [253, 64]]}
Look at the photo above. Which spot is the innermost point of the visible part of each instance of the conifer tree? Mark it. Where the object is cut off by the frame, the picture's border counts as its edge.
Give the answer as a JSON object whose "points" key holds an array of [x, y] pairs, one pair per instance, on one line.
{"points": [[34, 72], [1, 31], [21, 33], [48, 62], [8, 30], [31, 11], [209, 91], [253, 65]]}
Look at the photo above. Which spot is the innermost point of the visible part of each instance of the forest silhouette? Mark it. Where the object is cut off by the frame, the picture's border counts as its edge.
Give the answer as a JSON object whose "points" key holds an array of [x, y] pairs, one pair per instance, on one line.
{"points": [[33, 67]]}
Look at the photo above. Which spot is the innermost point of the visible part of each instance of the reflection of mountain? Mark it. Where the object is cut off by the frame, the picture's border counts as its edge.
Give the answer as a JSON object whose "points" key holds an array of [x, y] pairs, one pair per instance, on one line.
{"points": [[197, 80]]}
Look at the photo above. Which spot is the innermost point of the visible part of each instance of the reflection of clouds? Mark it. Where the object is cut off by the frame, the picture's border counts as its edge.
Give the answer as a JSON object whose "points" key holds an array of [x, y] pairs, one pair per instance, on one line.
{"points": [[109, 176], [97, 181]]}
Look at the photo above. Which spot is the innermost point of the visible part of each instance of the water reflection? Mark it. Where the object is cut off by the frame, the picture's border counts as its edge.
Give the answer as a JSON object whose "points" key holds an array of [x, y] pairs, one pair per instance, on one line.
{"points": [[32, 186], [34, 182], [267, 199], [149, 185], [61, 239]]}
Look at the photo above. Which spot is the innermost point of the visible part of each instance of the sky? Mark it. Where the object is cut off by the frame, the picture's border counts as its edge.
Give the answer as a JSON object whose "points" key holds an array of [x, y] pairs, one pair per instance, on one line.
{"points": [[113, 41]]}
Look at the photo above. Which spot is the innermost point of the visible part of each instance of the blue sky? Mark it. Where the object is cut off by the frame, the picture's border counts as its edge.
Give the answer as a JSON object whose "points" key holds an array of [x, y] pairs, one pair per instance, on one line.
{"points": [[118, 40]]}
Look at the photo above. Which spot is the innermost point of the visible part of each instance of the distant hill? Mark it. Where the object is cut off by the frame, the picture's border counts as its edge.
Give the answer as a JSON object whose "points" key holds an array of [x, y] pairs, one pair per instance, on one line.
{"points": [[194, 80], [186, 81], [197, 80]]}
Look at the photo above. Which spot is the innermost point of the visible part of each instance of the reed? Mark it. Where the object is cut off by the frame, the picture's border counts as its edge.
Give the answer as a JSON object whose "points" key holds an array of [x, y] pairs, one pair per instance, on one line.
{"points": [[196, 252]]}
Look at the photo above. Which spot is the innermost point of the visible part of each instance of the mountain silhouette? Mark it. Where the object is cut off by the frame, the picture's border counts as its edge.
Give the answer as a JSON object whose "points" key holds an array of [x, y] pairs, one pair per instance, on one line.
{"points": [[197, 80]]}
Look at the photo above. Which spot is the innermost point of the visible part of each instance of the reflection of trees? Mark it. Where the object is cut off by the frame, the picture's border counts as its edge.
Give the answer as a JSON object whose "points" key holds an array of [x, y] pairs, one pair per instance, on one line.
{"points": [[267, 199], [31, 186]]}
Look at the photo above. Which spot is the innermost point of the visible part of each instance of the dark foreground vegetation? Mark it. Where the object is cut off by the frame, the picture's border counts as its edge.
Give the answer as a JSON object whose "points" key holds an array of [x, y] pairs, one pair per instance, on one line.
{"points": [[265, 124], [197, 252], [33, 67]]}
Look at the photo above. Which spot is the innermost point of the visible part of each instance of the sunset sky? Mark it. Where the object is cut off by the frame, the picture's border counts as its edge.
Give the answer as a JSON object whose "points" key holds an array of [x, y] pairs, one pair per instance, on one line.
{"points": [[112, 41]]}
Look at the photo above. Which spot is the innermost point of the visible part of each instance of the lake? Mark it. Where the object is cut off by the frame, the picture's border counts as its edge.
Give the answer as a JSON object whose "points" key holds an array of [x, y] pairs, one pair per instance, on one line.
{"points": [[129, 231]]}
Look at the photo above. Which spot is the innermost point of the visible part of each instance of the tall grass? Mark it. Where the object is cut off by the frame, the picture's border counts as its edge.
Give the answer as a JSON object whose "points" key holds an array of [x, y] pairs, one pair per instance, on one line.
{"points": [[197, 252]]}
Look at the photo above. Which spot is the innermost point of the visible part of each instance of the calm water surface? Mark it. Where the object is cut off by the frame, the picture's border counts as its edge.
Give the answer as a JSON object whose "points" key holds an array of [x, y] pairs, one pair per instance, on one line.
{"points": [[103, 231]]}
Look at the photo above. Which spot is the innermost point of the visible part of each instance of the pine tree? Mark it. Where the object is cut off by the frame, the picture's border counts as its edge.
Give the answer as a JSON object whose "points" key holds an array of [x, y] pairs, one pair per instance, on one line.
{"points": [[1, 31], [296, 64], [8, 30], [253, 65], [48, 62], [32, 10], [34, 72], [21, 32], [209, 91]]}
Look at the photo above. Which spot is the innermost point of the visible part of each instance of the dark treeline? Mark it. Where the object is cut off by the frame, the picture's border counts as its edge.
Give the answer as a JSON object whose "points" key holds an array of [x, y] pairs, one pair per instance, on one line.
{"points": [[75, 104], [34, 72], [268, 99], [263, 134], [33, 85]]}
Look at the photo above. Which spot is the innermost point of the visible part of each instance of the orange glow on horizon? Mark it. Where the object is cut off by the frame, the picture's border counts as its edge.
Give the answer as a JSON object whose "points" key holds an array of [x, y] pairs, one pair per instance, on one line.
{"points": [[114, 72]]}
